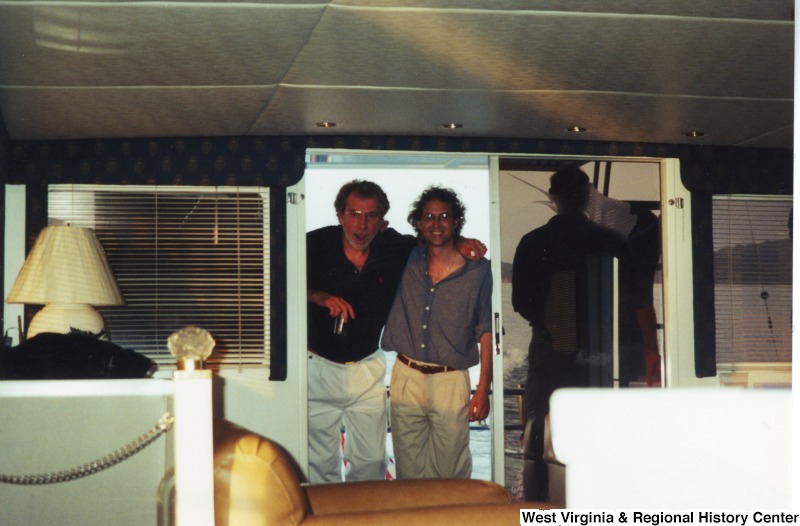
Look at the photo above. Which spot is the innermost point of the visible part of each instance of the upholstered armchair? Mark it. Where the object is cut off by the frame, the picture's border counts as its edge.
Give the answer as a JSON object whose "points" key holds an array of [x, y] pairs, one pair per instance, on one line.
{"points": [[257, 483]]}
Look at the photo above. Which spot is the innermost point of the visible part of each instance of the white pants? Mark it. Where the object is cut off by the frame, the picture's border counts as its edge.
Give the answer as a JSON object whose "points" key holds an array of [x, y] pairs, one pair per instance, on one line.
{"points": [[353, 396], [430, 424]]}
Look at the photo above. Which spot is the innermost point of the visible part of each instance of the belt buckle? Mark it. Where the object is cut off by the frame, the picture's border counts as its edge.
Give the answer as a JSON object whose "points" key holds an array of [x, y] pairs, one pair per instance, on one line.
{"points": [[423, 368]]}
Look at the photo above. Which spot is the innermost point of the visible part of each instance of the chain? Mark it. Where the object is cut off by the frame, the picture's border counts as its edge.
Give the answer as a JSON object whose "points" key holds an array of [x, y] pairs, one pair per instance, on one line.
{"points": [[164, 424]]}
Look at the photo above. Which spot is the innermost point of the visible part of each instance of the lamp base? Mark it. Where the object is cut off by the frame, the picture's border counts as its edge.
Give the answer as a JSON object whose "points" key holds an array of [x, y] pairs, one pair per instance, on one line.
{"points": [[64, 318]]}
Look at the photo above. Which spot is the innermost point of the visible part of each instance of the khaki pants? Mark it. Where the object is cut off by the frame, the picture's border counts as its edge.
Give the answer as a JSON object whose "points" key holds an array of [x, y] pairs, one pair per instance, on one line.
{"points": [[430, 425]]}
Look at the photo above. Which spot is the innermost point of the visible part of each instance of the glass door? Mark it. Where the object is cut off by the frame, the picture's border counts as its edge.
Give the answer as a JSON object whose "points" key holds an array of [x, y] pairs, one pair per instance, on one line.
{"points": [[592, 306]]}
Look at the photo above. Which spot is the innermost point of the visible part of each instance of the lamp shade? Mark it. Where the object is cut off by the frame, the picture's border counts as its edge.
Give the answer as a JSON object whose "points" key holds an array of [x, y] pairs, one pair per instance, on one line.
{"points": [[67, 265]]}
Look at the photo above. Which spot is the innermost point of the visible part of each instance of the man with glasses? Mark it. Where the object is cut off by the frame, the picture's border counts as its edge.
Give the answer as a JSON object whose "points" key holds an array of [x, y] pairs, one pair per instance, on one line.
{"points": [[441, 314], [353, 270]]}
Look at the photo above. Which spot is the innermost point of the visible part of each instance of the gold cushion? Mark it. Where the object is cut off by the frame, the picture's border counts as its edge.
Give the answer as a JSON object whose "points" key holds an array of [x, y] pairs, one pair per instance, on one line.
{"points": [[255, 480]]}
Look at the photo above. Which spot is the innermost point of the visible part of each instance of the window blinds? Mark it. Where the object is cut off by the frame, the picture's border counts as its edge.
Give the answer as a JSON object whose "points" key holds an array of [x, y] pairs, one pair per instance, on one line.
{"points": [[752, 278], [182, 256]]}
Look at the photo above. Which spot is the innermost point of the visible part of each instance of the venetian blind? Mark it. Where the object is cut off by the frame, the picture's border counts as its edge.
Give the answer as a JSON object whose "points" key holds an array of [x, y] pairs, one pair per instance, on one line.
{"points": [[182, 256], [752, 278]]}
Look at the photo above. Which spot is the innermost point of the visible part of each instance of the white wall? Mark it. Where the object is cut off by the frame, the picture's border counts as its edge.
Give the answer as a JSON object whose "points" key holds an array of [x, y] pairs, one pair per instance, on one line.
{"points": [[277, 409], [50, 426]]}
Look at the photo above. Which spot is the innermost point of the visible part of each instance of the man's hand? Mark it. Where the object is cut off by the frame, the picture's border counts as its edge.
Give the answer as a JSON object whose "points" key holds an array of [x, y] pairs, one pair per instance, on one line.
{"points": [[479, 405], [471, 248], [336, 305]]}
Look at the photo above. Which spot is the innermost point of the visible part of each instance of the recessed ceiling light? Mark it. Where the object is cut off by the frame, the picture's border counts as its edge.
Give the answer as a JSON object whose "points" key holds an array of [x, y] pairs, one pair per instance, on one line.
{"points": [[326, 124], [576, 129], [452, 125], [694, 133]]}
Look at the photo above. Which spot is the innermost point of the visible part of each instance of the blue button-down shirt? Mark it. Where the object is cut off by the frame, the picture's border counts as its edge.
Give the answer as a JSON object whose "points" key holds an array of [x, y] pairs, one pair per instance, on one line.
{"points": [[440, 323]]}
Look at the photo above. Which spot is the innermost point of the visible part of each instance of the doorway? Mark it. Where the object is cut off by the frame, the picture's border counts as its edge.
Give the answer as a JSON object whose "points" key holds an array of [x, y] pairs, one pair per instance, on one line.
{"points": [[509, 214], [525, 206], [403, 177]]}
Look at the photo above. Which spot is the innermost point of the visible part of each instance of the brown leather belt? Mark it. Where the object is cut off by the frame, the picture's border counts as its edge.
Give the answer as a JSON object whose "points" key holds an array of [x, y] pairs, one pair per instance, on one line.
{"points": [[426, 369]]}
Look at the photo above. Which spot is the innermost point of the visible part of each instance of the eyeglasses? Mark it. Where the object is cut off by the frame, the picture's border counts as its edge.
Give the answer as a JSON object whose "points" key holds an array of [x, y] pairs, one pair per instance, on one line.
{"points": [[444, 216], [357, 215]]}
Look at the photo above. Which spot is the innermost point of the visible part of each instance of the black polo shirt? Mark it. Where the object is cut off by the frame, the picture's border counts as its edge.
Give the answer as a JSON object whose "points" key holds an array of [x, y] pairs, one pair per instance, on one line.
{"points": [[370, 291]]}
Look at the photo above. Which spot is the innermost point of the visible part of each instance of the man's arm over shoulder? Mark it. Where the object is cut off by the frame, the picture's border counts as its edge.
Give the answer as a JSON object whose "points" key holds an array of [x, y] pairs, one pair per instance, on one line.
{"points": [[472, 249], [402, 244]]}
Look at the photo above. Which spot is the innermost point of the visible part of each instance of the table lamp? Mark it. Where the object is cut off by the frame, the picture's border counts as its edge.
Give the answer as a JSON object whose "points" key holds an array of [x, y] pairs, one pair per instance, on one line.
{"points": [[67, 272]]}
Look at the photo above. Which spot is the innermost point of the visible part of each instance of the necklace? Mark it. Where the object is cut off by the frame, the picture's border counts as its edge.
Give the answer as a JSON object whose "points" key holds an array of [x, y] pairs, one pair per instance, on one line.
{"points": [[438, 275]]}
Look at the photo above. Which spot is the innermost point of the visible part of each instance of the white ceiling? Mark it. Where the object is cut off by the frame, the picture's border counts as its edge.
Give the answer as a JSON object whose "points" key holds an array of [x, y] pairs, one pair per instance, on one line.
{"points": [[626, 70]]}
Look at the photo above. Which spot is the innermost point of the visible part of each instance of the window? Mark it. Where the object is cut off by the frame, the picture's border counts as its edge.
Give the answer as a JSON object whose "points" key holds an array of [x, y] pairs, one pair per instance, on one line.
{"points": [[182, 256], [753, 278]]}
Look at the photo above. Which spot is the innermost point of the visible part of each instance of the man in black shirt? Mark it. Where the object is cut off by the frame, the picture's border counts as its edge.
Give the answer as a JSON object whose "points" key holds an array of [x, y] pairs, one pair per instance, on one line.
{"points": [[556, 269], [559, 271], [353, 270]]}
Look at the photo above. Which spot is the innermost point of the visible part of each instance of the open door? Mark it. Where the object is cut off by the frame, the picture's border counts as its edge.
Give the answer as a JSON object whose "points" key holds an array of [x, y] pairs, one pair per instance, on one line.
{"points": [[505, 198], [607, 324], [403, 176]]}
